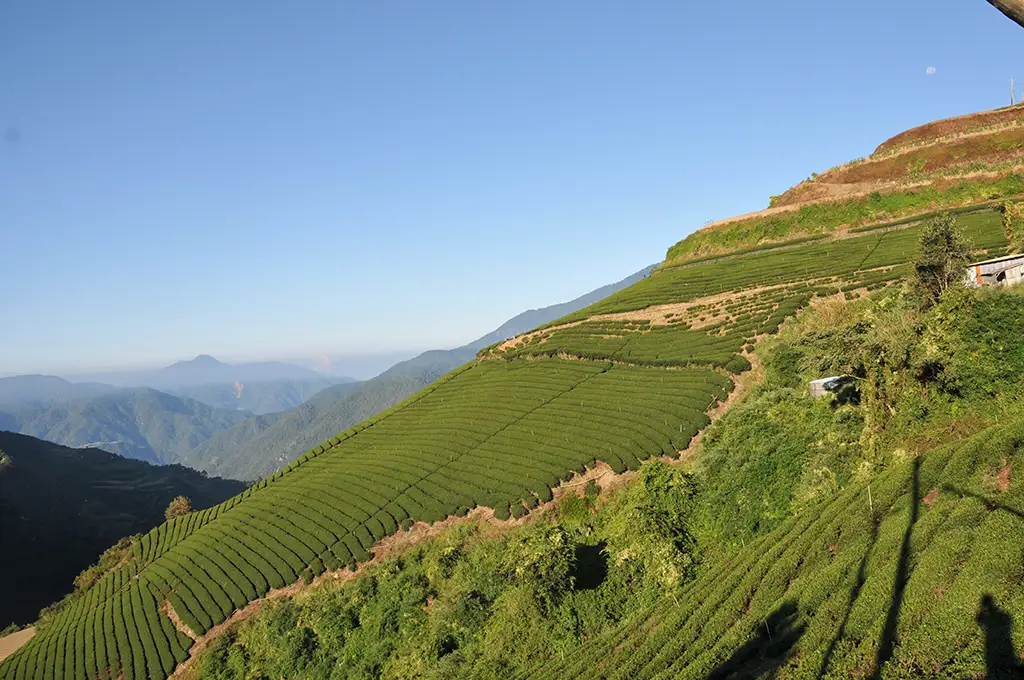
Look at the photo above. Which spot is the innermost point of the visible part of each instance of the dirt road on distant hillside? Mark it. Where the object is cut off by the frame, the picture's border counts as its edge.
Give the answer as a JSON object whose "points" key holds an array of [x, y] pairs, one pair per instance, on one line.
{"points": [[13, 642]]}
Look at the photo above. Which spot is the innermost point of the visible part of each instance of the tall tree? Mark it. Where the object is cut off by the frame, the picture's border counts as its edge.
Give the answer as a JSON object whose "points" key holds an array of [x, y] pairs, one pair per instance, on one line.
{"points": [[943, 255], [1011, 8]]}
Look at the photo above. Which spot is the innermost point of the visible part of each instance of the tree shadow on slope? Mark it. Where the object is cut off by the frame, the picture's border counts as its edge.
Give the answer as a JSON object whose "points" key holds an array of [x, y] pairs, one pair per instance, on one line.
{"points": [[762, 656], [862, 576], [986, 501], [1001, 660], [887, 643]]}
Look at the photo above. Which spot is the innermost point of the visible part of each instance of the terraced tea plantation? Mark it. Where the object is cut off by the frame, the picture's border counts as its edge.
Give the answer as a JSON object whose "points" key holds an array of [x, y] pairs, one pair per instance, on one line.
{"points": [[926, 555], [630, 378], [704, 314]]}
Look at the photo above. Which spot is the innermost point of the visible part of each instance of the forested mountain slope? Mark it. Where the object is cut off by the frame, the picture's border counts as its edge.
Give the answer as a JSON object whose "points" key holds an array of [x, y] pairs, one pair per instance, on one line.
{"points": [[60, 508], [139, 423], [632, 377]]}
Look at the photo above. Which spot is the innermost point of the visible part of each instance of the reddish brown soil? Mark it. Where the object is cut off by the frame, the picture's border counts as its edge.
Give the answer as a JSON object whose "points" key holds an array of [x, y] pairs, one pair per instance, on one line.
{"points": [[1003, 476], [952, 126], [892, 172], [929, 500], [990, 147]]}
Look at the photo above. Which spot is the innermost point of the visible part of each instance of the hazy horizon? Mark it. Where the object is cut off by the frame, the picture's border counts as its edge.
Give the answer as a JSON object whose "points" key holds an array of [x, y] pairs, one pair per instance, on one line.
{"points": [[308, 361]]}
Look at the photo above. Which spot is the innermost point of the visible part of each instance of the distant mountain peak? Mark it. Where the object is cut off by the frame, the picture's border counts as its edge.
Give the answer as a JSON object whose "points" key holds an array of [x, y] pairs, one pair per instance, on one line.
{"points": [[206, 359]]}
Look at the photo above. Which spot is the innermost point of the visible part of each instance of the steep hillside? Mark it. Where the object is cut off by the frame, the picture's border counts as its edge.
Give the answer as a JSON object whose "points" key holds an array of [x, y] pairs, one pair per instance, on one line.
{"points": [[139, 423], [60, 508], [635, 376], [774, 510], [947, 164], [259, 447], [629, 378]]}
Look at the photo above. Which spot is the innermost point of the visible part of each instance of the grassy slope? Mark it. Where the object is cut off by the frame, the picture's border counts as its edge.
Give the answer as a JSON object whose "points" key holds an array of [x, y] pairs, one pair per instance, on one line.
{"points": [[825, 218], [499, 432], [945, 164]]}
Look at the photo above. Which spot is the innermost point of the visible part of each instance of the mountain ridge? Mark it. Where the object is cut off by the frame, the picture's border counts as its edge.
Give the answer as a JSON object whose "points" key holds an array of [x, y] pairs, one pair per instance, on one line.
{"points": [[139, 423]]}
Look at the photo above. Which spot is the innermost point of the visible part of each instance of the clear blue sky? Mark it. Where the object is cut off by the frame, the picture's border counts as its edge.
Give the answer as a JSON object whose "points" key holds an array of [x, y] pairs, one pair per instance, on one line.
{"points": [[273, 179]]}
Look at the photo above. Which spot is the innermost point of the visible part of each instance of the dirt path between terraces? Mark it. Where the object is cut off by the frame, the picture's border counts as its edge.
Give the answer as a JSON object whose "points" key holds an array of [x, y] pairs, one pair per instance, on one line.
{"points": [[9, 644]]}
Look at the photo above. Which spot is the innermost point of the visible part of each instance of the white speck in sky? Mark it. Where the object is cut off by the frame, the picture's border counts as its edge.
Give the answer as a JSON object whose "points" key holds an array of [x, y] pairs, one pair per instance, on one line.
{"points": [[930, 70]]}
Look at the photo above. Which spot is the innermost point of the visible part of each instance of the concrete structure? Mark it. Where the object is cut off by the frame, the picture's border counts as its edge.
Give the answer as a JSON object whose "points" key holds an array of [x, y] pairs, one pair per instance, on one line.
{"points": [[1001, 271], [822, 386]]}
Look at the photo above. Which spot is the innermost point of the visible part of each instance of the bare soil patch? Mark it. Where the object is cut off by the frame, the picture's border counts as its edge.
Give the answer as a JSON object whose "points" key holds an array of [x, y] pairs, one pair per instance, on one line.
{"points": [[9, 644], [984, 147], [1003, 476], [951, 126], [166, 608]]}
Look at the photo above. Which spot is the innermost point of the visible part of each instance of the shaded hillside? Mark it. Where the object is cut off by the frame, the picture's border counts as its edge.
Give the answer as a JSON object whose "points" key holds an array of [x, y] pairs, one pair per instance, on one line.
{"points": [[135, 423], [61, 507], [258, 447]]}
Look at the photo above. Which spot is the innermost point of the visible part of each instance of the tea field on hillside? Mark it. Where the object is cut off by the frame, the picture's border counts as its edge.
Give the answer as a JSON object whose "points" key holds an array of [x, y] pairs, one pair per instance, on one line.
{"points": [[501, 432]]}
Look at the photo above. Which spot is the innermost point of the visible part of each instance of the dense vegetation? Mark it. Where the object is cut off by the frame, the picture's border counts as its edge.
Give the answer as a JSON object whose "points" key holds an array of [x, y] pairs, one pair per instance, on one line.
{"points": [[60, 508], [889, 544], [499, 432], [875, 533]]}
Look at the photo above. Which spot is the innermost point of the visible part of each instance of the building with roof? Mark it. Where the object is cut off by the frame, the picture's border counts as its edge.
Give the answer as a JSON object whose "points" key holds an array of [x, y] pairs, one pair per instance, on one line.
{"points": [[1001, 271]]}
